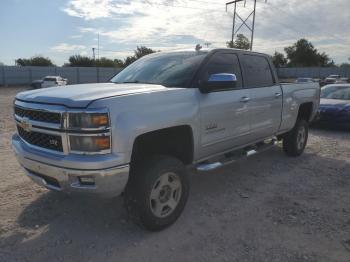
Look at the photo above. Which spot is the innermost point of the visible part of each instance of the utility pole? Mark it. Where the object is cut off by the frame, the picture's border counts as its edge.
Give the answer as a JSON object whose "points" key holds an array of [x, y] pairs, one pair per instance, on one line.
{"points": [[250, 27], [93, 53], [98, 46]]}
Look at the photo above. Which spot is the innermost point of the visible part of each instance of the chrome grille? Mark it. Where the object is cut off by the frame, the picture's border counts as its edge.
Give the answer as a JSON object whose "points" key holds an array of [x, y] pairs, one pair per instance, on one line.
{"points": [[38, 115], [43, 140]]}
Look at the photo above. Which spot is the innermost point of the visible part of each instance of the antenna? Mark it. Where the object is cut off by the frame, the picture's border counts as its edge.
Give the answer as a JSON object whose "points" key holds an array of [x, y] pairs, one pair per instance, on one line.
{"points": [[251, 27]]}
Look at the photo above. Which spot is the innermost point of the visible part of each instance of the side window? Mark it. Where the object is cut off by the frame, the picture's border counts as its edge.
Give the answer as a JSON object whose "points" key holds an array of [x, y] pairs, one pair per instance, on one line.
{"points": [[223, 63], [257, 71]]}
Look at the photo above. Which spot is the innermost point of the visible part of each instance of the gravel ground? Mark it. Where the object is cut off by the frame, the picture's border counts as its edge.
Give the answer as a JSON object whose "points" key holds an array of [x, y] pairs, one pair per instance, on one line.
{"points": [[266, 208]]}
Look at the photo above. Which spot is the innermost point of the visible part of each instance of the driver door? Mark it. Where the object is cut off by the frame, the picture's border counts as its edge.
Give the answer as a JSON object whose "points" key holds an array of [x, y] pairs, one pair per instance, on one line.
{"points": [[224, 114]]}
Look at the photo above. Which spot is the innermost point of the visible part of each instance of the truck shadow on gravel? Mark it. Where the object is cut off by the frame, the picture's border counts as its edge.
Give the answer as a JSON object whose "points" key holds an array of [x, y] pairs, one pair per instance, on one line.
{"points": [[240, 205]]}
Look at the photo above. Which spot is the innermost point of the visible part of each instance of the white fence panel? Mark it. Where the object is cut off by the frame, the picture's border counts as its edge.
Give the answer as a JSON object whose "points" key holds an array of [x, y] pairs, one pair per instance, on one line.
{"points": [[16, 75]]}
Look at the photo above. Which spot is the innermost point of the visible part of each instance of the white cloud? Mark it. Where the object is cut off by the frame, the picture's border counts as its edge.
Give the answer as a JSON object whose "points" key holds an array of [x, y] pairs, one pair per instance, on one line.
{"points": [[64, 48], [76, 36], [168, 23]]}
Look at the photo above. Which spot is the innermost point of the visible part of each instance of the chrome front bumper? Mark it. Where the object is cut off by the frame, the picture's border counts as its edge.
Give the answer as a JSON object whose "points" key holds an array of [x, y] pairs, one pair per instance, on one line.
{"points": [[108, 181]]}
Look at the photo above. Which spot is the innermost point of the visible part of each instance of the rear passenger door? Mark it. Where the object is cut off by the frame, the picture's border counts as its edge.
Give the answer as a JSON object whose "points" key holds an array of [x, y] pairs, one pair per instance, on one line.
{"points": [[265, 94]]}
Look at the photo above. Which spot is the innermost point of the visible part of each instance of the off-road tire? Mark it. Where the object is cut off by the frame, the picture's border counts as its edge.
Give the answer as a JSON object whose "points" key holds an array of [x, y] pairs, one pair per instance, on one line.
{"points": [[292, 145], [137, 195]]}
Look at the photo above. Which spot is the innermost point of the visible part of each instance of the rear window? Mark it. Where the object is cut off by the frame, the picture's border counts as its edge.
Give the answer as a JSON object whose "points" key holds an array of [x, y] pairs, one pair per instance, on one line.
{"points": [[50, 79], [257, 70]]}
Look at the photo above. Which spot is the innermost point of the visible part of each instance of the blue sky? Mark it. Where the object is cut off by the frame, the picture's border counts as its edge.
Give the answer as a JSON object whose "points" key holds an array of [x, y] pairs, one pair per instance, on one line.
{"points": [[60, 28]]}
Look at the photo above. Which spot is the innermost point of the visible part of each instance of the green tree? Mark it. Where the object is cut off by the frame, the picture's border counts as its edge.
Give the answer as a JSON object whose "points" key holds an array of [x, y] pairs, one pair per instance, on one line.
{"points": [[304, 54], [138, 53], [142, 51], [79, 60], [279, 60], [34, 61], [106, 62], [241, 42], [129, 60], [345, 65]]}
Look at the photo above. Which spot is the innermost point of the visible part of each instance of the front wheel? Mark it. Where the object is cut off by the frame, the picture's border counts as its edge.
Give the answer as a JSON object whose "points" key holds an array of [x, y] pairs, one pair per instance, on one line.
{"points": [[157, 192], [295, 141]]}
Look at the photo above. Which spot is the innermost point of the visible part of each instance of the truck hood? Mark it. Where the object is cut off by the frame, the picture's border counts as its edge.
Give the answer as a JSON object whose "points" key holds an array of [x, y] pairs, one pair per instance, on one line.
{"points": [[80, 96]]}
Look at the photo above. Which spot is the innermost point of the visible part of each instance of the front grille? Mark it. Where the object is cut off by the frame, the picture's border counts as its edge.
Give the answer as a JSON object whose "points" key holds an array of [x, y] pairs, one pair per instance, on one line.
{"points": [[47, 141], [38, 115]]}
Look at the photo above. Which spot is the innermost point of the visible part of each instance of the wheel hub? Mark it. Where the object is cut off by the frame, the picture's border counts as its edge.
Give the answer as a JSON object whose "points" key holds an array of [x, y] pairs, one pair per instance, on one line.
{"points": [[165, 194], [301, 137]]}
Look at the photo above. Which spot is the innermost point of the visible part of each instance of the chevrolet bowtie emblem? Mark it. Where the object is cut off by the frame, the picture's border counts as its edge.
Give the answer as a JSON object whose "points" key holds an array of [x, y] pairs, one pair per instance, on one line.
{"points": [[25, 124]]}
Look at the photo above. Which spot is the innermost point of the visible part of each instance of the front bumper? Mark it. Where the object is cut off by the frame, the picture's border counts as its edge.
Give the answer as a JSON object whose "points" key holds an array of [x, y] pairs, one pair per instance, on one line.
{"points": [[109, 181]]}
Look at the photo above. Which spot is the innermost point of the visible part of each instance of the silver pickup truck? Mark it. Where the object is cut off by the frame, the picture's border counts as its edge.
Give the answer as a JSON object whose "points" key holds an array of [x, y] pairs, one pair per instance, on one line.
{"points": [[165, 112]]}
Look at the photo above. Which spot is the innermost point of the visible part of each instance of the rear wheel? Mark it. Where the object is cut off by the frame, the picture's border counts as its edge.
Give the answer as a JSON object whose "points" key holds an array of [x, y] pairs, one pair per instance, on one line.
{"points": [[294, 142], [157, 192]]}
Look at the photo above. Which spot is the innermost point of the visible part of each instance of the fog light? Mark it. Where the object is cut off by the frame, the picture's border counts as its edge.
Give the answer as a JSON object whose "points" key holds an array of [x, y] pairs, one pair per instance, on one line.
{"points": [[87, 180]]}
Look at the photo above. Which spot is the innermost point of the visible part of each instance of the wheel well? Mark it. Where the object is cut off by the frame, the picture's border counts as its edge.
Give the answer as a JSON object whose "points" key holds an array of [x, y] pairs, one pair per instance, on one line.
{"points": [[174, 141], [305, 111]]}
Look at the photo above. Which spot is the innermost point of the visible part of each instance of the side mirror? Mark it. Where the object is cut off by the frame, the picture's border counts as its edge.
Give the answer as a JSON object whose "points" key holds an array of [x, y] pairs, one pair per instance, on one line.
{"points": [[218, 82]]}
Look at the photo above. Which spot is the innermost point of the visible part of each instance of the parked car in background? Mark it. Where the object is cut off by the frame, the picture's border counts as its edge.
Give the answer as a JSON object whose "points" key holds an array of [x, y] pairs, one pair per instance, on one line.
{"points": [[304, 80], [49, 81], [334, 76], [36, 84], [334, 107], [331, 79], [344, 80]]}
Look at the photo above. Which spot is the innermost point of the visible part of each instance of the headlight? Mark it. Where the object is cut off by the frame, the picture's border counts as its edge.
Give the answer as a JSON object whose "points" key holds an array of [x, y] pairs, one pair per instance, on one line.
{"points": [[87, 120], [89, 144], [89, 131]]}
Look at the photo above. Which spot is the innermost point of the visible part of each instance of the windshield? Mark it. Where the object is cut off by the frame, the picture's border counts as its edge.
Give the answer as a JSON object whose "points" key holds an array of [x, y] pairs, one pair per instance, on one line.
{"points": [[336, 92], [167, 69], [49, 79]]}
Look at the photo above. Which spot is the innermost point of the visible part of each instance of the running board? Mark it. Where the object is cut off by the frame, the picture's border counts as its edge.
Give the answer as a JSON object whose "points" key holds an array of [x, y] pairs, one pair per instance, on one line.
{"points": [[233, 156]]}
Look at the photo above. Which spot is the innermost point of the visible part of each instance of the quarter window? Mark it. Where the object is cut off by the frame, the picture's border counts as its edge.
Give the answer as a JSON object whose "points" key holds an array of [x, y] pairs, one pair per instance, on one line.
{"points": [[257, 71]]}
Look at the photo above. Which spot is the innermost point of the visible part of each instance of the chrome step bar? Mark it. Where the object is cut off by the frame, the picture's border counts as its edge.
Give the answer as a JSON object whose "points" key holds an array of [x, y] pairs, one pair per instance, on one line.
{"points": [[236, 155]]}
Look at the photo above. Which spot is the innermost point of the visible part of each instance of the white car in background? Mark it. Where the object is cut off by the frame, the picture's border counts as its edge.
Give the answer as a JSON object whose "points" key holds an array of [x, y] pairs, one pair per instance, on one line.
{"points": [[304, 80], [50, 81]]}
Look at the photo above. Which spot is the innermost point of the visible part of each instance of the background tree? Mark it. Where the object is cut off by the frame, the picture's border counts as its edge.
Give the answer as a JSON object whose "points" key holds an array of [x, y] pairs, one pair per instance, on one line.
{"points": [[345, 65], [34, 61], [241, 42], [129, 60], [138, 53], [142, 51], [279, 60], [79, 60], [106, 62], [2, 64], [304, 54]]}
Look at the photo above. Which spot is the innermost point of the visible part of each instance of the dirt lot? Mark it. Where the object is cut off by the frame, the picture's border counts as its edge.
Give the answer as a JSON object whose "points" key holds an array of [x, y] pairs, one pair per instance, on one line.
{"points": [[267, 208]]}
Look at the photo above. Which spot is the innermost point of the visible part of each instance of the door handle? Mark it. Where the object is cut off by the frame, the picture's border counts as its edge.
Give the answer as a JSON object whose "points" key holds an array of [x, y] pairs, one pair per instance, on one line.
{"points": [[245, 99], [277, 95]]}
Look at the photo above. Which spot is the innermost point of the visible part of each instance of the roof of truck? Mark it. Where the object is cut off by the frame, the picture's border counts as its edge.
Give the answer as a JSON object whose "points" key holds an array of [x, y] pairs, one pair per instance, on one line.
{"points": [[212, 49]]}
